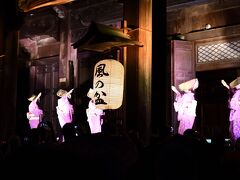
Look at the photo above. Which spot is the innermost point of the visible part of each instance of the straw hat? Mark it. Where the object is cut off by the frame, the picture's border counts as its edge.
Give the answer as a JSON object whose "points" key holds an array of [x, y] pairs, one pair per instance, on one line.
{"points": [[34, 97], [62, 92], [235, 83], [90, 93], [188, 85]]}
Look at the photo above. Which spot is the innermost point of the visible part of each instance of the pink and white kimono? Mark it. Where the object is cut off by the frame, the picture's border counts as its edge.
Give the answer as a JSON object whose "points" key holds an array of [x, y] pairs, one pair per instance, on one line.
{"points": [[64, 111], [234, 118], [185, 104], [94, 117], [34, 115]]}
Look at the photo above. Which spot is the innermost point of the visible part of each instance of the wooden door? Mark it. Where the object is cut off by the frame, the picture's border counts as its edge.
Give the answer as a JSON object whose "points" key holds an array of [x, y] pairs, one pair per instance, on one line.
{"points": [[213, 111], [44, 78], [181, 67]]}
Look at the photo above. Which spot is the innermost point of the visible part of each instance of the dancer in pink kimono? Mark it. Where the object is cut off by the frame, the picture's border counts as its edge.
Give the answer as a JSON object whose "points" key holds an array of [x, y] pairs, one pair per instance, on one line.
{"points": [[234, 105], [64, 108], [185, 104], [94, 115], [35, 113]]}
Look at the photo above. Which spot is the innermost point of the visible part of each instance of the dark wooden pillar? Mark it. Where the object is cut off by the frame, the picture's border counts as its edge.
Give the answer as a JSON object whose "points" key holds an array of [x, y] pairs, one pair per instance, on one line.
{"points": [[159, 67], [9, 23], [65, 45], [138, 14]]}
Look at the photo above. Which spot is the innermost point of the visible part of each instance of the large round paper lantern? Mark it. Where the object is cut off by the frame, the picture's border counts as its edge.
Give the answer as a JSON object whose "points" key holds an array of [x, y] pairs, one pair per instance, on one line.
{"points": [[108, 84]]}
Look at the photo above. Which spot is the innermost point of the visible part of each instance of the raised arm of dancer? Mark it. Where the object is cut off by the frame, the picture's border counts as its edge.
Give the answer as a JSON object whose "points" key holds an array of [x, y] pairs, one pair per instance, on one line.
{"points": [[224, 84], [175, 89]]}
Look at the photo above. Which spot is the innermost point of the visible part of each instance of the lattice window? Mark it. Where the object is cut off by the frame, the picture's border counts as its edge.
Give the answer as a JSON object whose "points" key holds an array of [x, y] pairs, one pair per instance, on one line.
{"points": [[227, 51]]}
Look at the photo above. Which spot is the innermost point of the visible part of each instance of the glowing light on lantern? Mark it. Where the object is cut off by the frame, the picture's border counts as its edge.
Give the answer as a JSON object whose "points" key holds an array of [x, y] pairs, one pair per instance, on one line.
{"points": [[108, 84]]}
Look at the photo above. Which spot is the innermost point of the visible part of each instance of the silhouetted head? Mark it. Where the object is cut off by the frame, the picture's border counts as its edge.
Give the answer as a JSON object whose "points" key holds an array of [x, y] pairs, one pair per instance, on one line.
{"points": [[68, 131]]}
